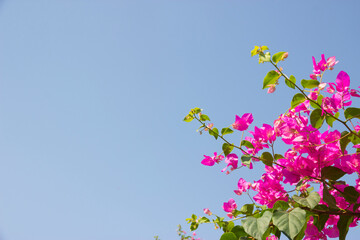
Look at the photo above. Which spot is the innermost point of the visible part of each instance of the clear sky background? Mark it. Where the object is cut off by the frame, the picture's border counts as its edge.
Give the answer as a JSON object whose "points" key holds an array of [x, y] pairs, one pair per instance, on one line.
{"points": [[93, 93]]}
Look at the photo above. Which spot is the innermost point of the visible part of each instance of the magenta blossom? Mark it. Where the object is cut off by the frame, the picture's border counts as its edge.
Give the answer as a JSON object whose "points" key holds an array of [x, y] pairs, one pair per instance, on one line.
{"points": [[207, 211], [242, 186], [231, 160], [242, 123], [210, 161], [229, 206]]}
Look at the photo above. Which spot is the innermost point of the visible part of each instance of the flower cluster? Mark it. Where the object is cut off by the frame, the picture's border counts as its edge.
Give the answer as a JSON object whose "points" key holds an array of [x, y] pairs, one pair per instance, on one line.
{"points": [[316, 155]]}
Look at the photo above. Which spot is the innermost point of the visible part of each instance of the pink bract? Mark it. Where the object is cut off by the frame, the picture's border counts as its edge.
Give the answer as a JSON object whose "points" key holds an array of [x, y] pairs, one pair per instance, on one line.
{"points": [[242, 123]]}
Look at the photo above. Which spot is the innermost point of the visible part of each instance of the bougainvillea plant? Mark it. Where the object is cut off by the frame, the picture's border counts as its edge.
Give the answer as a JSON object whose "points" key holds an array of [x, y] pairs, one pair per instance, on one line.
{"points": [[302, 193]]}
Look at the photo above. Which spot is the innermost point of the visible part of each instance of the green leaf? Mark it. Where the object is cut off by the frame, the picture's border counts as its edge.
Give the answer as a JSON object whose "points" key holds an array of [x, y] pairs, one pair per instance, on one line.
{"points": [[330, 120], [225, 131], [229, 236], [264, 57], [239, 231], [316, 119], [343, 225], [256, 227], [310, 201], [344, 141], [247, 144], [290, 223], [214, 132], [267, 158], [352, 112], [203, 220], [263, 48], [227, 148], [297, 99], [204, 117], [277, 57], [254, 51], [196, 110], [309, 83], [290, 82], [228, 226], [350, 194], [328, 198], [320, 220], [280, 204], [188, 118], [247, 209], [246, 159], [332, 173], [270, 78], [278, 156], [354, 139]]}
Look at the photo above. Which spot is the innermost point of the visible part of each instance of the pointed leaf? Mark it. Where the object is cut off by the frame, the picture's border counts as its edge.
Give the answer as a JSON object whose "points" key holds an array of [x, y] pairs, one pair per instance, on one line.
{"points": [[227, 148], [290, 223], [297, 99], [267, 158], [270, 78], [290, 82], [332, 173], [344, 141], [316, 119], [309, 83], [277, 57], [328, 198], [350, 194], [225, 131], [247, 144], [352, 112], [310, 201], [204, 117], [281, 204], [256, 227], [214, 132], [343, 225]]}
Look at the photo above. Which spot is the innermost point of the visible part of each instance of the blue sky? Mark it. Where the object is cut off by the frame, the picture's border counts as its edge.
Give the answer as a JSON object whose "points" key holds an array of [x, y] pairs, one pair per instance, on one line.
{"points": [[93, 93]]}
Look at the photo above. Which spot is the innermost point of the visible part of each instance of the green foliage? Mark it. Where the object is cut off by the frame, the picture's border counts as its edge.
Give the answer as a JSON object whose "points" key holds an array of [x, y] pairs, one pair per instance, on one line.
{"points": [[214, 132], [310, 201], [332, 173], [316, 118], [246, 159], [225, 131], [277, 57], [343, 225], [297, 99], [227, 148], [204, 117], [270, 78], [229, 236], [267, 158], [290, 82], [256, 227], [290, 223], [309, 83], [352, 112]]}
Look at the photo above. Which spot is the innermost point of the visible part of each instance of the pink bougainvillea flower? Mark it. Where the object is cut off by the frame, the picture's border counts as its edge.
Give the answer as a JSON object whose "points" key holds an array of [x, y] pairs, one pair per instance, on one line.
{"points": [[242, 123], [342, 82], [231, 160], [242, 186], [354, 93], [229, 206], [331, 62], [272, 237], [210, 161], [207, 211]]}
